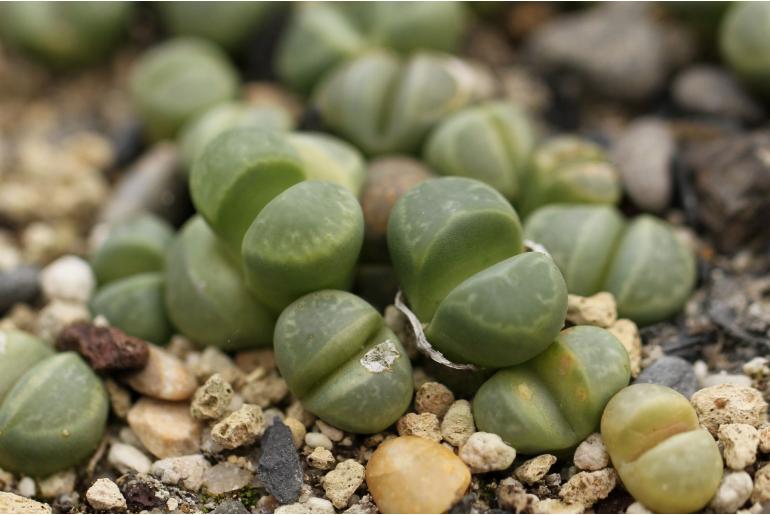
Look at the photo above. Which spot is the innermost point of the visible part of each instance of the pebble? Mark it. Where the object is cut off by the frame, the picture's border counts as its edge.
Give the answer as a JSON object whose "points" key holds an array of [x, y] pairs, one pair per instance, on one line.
{"points": [[486, 452], [734, 490], [230, 506], [591, 454], [342, 482], [242, 427], [165, 428], [164, 377], [764, 439], [27, 487], [740, 442], [638, 508], [127, 458], [712, 91], [12, 503], [185, 471], [457, 425], [69, 278], [513, 497], [433, 398], [57, 315], [18, 285], [598, 310], [757, 368], [312, 505], [297, 429], [409, 474], [725, 378], [729, 404], [213, 361], [643, 155], [671, 371], [424, 425], [761, 490], [225, 477], [534, 469], [264, 391], [107, 349], [627, 332], [297, 411], [314, 440], [55, 485], [321, 459], [334, 434], [586, 488], [557, 506], [104, 495], [250, 360], [212, 399], [279, 465]]}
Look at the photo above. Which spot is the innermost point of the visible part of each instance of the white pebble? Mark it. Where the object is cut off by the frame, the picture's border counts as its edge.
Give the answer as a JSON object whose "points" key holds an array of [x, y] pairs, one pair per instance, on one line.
{"points": [[69, 278], [27, 487], [126, 458], [314, 440], [734, 490], [591, 454], [485, 452], [104, 495]]}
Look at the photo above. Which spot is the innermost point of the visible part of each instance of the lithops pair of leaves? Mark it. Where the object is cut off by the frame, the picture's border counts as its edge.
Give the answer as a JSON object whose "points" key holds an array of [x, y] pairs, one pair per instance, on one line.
{"points": [[129, 265], [341, 360], [53, 408], [643, 263], [292, 235], [665, 459], [178, 80], [321, 35], [494, 142], [745, 43], [455, 244], [384, 103], [554, 401], [65, 35]]}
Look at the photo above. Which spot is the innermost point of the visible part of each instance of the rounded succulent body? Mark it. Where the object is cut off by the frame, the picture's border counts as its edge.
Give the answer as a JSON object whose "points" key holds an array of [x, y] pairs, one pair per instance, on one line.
{"points": [[644, 264], [65, 35], [326, 158], [135, 305], [745, 42], [664, 458], [454, 243], [491, 142], [53, 417], [321, 35], [385, 104], [226, 24], [19, 351], [554, 401], [177, 81], [205, 294], [134, 246], [568, 170], [341, 360], [203, 129], [306, 239]]}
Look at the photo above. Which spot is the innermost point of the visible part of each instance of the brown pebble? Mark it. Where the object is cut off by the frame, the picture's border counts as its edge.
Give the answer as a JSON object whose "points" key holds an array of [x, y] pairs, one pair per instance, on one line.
{"points": [[424, 425], [166, 429], [107, 349], [433, 398]]}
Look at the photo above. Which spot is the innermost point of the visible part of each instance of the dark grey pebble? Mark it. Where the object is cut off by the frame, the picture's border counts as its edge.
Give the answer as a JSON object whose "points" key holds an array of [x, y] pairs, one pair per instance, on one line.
{"points": [[19, 285], [671, 371], [279, 465], [230, 506]]}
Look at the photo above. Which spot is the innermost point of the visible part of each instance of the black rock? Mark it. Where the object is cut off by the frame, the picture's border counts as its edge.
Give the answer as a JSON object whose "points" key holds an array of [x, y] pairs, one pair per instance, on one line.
{"points": [[19, 285], [230, 506], [140, 492], [671, 371], [279, 465]]}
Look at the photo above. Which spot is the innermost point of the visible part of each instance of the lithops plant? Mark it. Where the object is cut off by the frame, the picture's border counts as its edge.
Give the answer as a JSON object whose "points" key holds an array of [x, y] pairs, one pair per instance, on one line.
{"points": [[455, 244], [306, 239], [384, 103], [643, 263], [200, 131], [206, 297], [65, 34], [341, 360], [321, 35], [569, 169], [491, 142], [244, 169], [745, 42], [177, 81], [227, 24], [133, 246], [53, 408], [665, 459], [554, 401], [135, 305]]}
